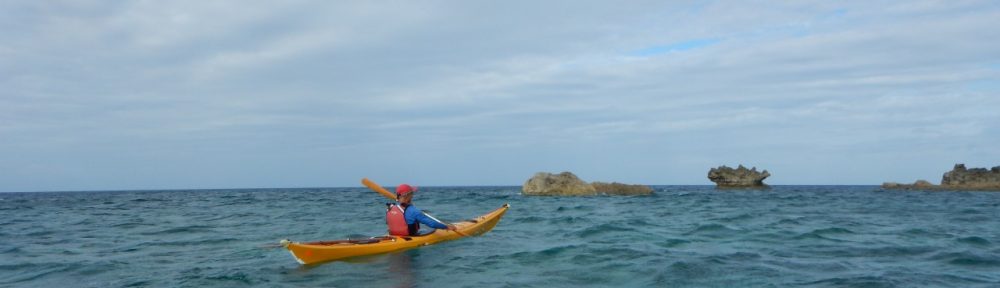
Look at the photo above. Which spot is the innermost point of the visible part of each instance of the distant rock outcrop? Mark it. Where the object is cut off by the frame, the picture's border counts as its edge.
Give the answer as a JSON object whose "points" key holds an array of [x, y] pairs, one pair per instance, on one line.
{"points": [[959, 178], [615, 188], [725, 177], [920, 184], [567, 184]]}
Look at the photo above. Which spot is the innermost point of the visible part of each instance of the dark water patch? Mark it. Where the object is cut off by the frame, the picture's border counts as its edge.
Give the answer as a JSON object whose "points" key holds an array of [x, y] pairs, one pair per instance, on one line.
{"points": [[182, 230], [974, 219], [787, 222], [690, 270], [238, 277], [814, 235], [32, 271], [566, 220], [713, 230], [895, 252], [529, 219], [969, 211], [191, 242], [41, 233], [736, 218], [832, 231], [545, 255], [858, 281], [131, 225], [599, 230], [581, 208], [922, 233], [672, 243], [234, 216], [622, 254], [974, 240], [734, 257], [636, 222], [968, 259], [141, 200]]}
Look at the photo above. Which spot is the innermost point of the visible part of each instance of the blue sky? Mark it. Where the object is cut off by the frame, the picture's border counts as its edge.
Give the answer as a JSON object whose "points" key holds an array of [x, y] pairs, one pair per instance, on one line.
{"points": [[222, 94]]}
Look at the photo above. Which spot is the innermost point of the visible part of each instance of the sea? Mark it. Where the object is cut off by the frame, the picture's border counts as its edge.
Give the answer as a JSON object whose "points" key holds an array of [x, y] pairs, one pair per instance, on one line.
{"points": [[681, 236]]}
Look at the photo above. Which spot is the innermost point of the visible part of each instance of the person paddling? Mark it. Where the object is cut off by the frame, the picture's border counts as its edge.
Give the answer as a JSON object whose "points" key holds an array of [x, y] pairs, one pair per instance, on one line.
{"points": [[404, 219]]}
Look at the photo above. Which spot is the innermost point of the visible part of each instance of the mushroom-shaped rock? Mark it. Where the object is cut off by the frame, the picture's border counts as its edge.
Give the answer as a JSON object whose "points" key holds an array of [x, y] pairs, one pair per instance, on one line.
{"points": [[725, 177]]}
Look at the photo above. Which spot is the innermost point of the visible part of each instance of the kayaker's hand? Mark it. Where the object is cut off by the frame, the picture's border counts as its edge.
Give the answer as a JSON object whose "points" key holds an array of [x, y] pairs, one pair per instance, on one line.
{"points": [[452, 227]]}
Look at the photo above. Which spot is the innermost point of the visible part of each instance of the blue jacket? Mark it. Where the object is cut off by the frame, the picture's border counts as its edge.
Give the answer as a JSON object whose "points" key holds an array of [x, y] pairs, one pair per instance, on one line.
{"points": [[412, 214]]}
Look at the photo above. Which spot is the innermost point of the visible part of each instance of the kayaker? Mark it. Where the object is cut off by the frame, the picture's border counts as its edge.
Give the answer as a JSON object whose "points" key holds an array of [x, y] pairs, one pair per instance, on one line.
{"points": [[404, 219]]}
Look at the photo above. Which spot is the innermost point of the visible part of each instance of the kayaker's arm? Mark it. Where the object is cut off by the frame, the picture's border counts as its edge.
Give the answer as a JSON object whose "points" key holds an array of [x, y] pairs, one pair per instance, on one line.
{"points": [[431, 222]]}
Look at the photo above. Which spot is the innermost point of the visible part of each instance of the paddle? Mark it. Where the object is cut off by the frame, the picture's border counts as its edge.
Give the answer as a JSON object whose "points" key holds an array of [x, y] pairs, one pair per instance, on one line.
{"points": [[389, 195], [379, 189]]}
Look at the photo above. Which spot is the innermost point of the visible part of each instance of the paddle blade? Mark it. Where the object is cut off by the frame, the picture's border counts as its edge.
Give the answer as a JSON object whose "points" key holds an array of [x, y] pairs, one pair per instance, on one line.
{"points": [[371, 185]]}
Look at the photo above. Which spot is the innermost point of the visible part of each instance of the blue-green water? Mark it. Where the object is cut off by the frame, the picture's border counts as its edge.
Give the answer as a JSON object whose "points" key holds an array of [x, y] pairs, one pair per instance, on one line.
{"points": [[823, 236]]}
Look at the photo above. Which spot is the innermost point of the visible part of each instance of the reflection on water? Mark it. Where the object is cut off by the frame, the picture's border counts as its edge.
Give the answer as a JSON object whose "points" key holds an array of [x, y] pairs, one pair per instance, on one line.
{"points": [[401, 267]]}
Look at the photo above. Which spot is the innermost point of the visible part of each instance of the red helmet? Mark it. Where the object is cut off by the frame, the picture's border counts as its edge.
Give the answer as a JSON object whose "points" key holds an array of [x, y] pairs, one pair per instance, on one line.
{"points": [[404, 189]]}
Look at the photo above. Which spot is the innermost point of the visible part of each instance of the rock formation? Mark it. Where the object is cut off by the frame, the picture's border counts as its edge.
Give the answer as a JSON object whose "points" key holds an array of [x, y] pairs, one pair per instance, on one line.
{"points": [[920, 184], [959, 178], [615, 188], [725, 177], [567, 184]]}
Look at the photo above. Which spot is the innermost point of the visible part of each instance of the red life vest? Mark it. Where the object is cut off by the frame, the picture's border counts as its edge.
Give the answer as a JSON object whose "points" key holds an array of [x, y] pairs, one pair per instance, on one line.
{"points": [[396, 221]]}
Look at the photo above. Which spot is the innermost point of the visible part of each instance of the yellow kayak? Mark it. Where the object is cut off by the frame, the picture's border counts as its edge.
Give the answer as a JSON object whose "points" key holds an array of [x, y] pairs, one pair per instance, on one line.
{"points": [[323, 251]]}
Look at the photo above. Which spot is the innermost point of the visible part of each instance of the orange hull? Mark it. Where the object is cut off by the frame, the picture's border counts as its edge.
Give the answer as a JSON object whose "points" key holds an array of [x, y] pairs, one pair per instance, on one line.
{"points": [[324, 251]]}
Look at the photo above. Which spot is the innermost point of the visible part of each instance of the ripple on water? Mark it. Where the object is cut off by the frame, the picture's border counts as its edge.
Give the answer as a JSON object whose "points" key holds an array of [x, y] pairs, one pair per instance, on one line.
{"points": [[893, 252], [545, 255], [825, 234], [859, 281], [672, 243], [32, 271], [713, 230], [974, 240], [599, 230], [968, 259], [181, 230]]}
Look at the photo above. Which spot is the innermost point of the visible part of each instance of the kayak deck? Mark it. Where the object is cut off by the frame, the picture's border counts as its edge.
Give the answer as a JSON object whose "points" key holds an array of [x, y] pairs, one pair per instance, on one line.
{"points": [[324, 251]]}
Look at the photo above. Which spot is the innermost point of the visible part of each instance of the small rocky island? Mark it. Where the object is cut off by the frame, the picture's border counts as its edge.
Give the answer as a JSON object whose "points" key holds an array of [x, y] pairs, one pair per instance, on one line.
{"points": [[959, 179], [741, 177], [567, 184]]}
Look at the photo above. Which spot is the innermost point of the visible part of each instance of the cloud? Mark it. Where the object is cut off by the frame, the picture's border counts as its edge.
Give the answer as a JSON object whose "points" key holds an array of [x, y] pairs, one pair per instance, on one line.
{"points": [[655, 85]]}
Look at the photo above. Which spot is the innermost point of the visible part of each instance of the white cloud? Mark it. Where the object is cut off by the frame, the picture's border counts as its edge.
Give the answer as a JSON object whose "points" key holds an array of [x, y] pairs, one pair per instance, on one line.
{"points": [[336, 80]]}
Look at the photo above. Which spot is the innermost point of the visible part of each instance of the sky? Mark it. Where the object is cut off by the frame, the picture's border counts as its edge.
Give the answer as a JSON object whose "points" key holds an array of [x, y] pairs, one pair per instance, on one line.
{"points": [[120, 95]]}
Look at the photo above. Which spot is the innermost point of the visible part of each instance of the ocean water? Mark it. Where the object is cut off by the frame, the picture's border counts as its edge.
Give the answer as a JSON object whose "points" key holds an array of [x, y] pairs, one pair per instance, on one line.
{"points": [[683, 236]]}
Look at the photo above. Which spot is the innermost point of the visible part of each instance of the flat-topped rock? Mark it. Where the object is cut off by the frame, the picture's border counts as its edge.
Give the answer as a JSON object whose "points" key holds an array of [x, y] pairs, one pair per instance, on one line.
{"points": [[615, 188], [725, 177], [567, 184], [958, 179], [920, 184]]}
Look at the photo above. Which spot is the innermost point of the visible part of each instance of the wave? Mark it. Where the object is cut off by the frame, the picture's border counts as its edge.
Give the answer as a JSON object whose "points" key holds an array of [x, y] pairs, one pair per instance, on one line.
{"points": [[187, 242], [32, 271], [182, 230], [974, 240], [529, 219], [545, 255], [602, 229], [967, 259], [713, 230], [671, 243], [824, 234], [860, 281]]}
